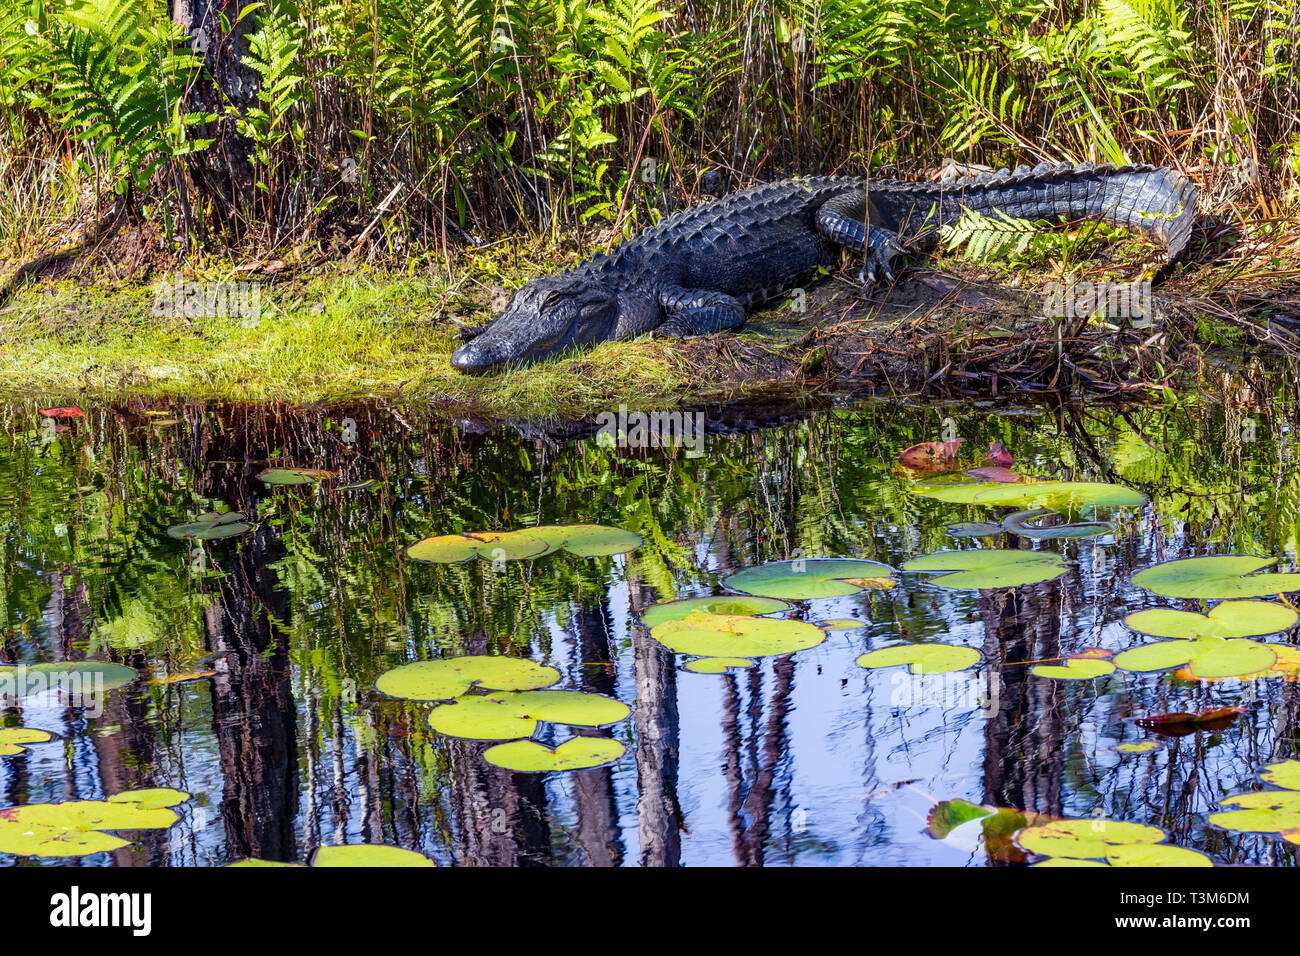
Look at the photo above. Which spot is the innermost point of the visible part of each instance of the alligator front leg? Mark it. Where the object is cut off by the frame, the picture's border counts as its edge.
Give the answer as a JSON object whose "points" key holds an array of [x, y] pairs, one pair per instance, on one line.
{"points": [[846, 220], [698, 312]]}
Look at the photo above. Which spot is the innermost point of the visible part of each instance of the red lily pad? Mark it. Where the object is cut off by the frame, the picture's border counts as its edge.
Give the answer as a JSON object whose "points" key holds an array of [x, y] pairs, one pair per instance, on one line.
{"points": [[64, 411], [1180, 723], [931, 455]]}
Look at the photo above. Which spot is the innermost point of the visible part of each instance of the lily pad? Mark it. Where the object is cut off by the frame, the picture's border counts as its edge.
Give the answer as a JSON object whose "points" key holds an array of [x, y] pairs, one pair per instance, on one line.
{"points": [[577, 753], [923, 658], [658, 614], [1027, 524], [211, 526], [587, 540], [716, 665], [1181, 723], [507, 715], [294, 476], [76, 828], [1285, 774], [74, 677], [701, 634], [811, 578], [489, 545], [453, 676], [368, 854], [1074, 668], [1227, 620], [1138, 747], [1207, 657], [11, 737], [1056, 495], [987, 568], [1224, 576], [1086, 839], [153, 798], [1156, 854], [842, 624]]}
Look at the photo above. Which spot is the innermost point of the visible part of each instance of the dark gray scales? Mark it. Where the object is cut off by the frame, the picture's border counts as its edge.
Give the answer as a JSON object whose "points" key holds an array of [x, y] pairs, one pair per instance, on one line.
{"points": [[705, 269]]}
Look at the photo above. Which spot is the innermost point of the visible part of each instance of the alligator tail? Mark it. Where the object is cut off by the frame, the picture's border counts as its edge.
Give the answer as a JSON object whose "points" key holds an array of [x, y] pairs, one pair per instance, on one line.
{"points": [[1156, 201]]}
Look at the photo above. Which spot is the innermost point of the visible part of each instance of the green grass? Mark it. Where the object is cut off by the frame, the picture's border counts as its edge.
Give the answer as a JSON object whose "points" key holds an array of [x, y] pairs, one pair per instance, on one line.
{"points": [[320, 339]]}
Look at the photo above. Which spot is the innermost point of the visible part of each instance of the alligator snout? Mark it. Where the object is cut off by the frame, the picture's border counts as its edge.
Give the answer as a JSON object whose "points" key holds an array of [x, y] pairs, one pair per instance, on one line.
{"points": [[474, 357]]}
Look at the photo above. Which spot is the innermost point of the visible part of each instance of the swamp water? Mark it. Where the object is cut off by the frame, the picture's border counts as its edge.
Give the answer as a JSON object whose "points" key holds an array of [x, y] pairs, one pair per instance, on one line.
{"points": [[254, 657]]}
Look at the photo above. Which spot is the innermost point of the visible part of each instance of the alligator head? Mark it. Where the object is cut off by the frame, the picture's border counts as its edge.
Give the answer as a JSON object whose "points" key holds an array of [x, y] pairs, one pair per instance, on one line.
{"points": [[547, 317]]}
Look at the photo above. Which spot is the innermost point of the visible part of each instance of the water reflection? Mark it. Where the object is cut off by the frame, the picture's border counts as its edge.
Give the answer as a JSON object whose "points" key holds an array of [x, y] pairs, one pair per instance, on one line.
{"points": [[260, 653]]}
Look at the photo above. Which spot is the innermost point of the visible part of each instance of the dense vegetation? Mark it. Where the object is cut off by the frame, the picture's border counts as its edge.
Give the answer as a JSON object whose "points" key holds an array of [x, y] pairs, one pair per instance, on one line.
{"points": [[430, 121]]}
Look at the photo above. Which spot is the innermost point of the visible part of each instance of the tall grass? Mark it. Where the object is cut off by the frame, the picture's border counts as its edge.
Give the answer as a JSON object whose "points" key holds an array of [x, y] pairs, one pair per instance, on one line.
{"points": [[437, 122]]}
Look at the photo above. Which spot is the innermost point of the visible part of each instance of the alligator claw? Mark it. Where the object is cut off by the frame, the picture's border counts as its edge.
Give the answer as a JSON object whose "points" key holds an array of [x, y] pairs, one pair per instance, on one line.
{"points": [[880, 262]]}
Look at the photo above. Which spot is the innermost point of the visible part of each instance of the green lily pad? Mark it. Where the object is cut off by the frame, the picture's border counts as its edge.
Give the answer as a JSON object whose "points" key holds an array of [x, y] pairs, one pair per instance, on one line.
{"points": [[507, 715], [1074, 668], [294, 476], [1156, 854], [27, 839], [11, 737], [210, 526], [701, 634], [76, 828], [577, 753], [974, 529], [923, 658], [153, 798], [738, 604], [1229, 619], [987, 568], [1085, 839], [1055, 861], [587, 540], [489, 545], [368, 854], [453, 676], [1224, 576], [716, 665], [76, 677], [254, 862], [811, 578], [1027, 525], [1056, 495], [842, 624], [1206, 657], [1285, 774], [1139, 747]]}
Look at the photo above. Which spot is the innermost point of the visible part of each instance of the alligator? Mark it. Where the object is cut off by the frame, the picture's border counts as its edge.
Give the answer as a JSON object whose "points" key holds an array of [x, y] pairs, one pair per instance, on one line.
{"points": [[702, 270]]}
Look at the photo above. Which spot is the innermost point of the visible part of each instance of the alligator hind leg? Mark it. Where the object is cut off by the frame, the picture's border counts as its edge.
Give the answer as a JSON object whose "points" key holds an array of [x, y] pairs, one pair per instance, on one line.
{"points": [[698, 312], [846, 220]]}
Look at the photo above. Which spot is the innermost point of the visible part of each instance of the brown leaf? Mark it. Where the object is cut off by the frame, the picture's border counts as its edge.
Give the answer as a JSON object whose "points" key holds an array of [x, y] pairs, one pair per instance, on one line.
{"points": [[932, 455], [1180, 723]]}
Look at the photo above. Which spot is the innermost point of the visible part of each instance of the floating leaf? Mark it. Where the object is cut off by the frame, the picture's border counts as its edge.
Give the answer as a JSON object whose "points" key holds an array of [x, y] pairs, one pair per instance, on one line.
{"points": [[969, 826], [451, 548], [1057, 495], [716, 665], [807, 579], [367, 855], [658, 614], [1074, 668], [210, 526], [1227, 620], [76, 828], [1285, 774], [1158, 854], [151, 799], [1092, 653], [506, 715], [294, 476], [1206, 657], [988, 568], [1021, 523], [1141, 747], [1263, 811], [73, 677], [701, 634], [1179, 723], [923, 658], [359, 485], [842, 624], [1000, 455], [1055, 861], [577, 753], [931, 455], [588, 540], [1224, 576], [998, 474], [453, 676], [11, 737], [261, 863], [63, 411], [1086, 839]]}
